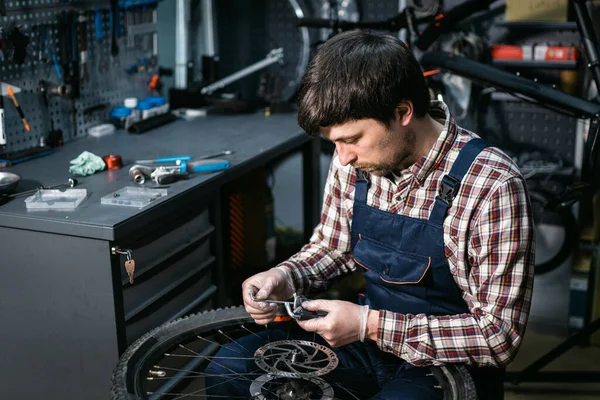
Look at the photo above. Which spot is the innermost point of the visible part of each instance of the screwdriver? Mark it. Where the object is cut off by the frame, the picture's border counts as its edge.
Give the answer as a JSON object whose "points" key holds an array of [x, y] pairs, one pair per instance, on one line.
{"points": [[204, 165], [18, 107]]}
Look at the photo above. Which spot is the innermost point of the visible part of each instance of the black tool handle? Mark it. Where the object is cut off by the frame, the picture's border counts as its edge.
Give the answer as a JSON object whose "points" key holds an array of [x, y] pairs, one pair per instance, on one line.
{"points": [[306, 315], [82, 32], [166, 179], [114, 11]]}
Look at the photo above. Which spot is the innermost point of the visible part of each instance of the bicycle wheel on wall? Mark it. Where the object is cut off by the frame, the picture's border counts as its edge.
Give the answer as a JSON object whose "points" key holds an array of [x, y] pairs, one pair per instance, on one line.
{"points": [[171, 362]]}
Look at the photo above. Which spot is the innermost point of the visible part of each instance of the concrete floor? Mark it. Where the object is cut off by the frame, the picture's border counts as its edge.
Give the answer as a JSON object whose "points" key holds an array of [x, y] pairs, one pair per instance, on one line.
{"points": [[535, 344]]}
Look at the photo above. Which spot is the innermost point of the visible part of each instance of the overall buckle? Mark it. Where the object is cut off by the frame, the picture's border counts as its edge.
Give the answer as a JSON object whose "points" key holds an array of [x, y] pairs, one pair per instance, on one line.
{"points": [[362, 175], [448, 189]]}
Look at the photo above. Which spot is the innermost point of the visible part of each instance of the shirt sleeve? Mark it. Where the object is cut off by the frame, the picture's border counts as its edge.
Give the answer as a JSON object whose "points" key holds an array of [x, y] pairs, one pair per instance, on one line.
{"points": [[501, 256], [327, 255]]}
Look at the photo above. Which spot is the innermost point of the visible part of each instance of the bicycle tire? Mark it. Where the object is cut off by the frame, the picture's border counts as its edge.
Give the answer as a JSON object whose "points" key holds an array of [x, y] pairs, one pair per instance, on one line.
{"points": [[455, 380], [541, 199]]}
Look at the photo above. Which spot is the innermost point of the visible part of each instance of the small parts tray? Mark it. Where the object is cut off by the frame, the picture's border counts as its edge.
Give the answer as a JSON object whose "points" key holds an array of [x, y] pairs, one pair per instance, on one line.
{"points": [[133, 196], [55, 199]]}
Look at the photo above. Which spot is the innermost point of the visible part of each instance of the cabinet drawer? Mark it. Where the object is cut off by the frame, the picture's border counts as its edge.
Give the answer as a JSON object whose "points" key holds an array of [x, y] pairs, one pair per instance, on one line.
{"points": [[165, 242], [193, 298], [190, 264]]}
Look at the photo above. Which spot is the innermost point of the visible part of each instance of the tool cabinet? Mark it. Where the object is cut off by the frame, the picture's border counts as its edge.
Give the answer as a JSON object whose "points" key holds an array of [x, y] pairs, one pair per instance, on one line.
{"points": [[66, 301]]}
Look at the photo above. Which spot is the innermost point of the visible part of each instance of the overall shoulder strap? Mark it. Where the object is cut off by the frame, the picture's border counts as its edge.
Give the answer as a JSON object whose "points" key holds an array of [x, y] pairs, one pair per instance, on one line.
{"points": [[450, 183], [361, 186]]}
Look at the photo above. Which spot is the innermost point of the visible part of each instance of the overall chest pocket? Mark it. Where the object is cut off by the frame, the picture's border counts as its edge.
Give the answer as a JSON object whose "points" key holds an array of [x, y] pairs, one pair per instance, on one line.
{"points": [[392, 266]]}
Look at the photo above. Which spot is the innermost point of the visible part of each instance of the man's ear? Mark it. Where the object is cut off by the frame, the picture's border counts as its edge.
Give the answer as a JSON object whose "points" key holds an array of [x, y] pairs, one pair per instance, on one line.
{"points": [[404, 112]]}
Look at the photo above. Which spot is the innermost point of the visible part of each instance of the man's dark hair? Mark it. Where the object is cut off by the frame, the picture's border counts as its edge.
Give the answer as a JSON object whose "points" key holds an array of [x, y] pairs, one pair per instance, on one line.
{"points": [[359, 75]]}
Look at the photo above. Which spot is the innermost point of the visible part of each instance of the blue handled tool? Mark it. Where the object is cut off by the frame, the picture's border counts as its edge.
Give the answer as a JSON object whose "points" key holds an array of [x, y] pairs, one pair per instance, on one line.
{"points": [[204, 166], [174, 159], [98, 23]]}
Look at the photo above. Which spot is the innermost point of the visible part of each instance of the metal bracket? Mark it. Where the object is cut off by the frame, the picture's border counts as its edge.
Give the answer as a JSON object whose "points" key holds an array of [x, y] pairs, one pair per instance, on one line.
{"points": [[274, 56]]}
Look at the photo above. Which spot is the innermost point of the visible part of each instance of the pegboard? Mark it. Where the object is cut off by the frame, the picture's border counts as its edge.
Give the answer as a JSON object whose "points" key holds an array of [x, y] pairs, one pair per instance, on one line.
{"points": [[531, 127], [247, 31], [296, 42], [107, 81], [378, 10]]}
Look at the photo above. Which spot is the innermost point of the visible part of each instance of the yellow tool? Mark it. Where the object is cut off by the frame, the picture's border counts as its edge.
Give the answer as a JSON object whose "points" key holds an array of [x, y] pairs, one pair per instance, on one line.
{"points": [[18, 107]]}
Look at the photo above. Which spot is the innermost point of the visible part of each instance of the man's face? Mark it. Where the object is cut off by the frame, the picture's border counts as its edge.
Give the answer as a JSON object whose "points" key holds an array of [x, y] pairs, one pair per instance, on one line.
{"points": [[371, 146]]}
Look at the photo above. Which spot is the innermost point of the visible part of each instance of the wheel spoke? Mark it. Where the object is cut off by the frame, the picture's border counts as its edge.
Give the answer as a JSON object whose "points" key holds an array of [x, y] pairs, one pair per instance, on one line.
{"points": [[195, 393], [291, 364], [220, 345], [208, 357], [234, 341], [254, 333], [195, 374]]}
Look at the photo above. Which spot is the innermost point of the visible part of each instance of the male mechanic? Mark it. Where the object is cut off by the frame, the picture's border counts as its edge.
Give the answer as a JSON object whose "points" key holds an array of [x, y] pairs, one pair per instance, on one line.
{"points": [[439, 223]]}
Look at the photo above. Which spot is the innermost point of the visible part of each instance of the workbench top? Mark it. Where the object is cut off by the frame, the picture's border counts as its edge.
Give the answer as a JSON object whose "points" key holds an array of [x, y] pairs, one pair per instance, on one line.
{"points": [[254, 138]]}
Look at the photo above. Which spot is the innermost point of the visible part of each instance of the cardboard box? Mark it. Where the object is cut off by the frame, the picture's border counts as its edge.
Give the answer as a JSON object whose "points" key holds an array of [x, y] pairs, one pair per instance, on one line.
{"points": [[536, 10]]}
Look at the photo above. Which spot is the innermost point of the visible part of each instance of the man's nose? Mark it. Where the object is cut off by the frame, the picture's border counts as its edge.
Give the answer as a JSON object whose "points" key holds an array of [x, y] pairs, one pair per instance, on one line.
{"points": [[346, 156]]}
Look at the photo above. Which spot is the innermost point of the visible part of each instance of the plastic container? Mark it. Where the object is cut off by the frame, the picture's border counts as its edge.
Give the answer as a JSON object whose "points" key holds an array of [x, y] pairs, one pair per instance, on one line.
{"points": [[152, 106], [119, 115], [55, 199], [101, 130], [131, 102], [136, 114], [131, 196]]}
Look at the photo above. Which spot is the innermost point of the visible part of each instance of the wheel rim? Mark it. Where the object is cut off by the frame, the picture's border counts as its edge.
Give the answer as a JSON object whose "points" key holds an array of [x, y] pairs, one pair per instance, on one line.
{"points": [[173, 364]]}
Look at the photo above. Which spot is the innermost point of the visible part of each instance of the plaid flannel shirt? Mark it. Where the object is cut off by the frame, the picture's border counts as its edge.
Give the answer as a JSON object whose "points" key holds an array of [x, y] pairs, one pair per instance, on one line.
{"points": [[489, 244]]}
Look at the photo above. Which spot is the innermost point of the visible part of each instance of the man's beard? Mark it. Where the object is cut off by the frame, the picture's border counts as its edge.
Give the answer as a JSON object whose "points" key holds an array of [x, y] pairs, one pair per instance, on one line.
{"points": [[376, 169], [395, 165]]}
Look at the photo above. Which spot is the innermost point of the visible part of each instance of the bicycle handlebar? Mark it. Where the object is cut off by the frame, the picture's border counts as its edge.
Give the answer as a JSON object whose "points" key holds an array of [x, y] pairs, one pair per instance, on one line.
{"points": [[392, 24], [441, 23], [444, 22]]}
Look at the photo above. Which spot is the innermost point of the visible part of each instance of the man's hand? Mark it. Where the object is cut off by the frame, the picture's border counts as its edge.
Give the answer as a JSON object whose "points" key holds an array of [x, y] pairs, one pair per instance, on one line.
{"points": [[273, 284], [341, 325]]}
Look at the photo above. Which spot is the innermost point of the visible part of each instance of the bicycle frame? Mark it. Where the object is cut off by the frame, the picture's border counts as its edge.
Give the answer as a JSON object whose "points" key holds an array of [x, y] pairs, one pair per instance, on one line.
{"points": [[537, 93], [492, 76]]}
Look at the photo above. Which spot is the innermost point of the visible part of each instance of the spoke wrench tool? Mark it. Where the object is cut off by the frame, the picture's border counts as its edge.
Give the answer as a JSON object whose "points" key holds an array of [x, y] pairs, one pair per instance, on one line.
{"points": [[294, 308]]}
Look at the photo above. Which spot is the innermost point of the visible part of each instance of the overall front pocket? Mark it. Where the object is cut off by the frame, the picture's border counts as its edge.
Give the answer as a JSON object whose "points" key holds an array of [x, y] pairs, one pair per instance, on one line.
{"points": [[393, 266]]}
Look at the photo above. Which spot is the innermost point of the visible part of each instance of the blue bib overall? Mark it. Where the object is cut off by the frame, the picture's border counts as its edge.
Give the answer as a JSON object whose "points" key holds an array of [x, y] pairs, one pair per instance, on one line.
{"points": [[404, 262], [406, 272]]}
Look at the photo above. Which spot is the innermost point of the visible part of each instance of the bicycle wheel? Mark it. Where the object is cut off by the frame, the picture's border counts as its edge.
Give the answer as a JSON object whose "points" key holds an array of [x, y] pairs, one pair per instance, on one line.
{"points": [[169, 362]]}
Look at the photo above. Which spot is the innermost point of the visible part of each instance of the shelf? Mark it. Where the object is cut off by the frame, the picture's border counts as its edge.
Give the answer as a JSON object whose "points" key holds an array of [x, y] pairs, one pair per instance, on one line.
{"points": [[570, 64], [539, 26]]}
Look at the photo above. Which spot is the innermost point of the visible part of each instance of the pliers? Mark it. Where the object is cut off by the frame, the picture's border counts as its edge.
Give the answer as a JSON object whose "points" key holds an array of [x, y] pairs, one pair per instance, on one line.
{"points": [[294, 308]]}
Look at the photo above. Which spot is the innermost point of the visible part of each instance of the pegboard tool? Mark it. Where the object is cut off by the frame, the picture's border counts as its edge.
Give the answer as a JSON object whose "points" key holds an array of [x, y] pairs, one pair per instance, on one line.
{"points": [[99, 32], [2, 132], [10, 91], [3, 93], [114, 31], [83, 53], [293, 307]]}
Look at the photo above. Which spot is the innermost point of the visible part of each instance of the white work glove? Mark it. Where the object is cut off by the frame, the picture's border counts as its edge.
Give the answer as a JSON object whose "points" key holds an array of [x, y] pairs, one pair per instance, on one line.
{"points": [[274, 284], [344, 323]]}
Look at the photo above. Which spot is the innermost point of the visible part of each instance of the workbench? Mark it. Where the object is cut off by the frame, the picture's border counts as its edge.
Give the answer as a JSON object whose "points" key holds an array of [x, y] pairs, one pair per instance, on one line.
{"points": [[67, 310]]}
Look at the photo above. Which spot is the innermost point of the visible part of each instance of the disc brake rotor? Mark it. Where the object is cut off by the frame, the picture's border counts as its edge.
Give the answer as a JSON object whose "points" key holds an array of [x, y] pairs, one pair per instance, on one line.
{"points": [[295, 359]]}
